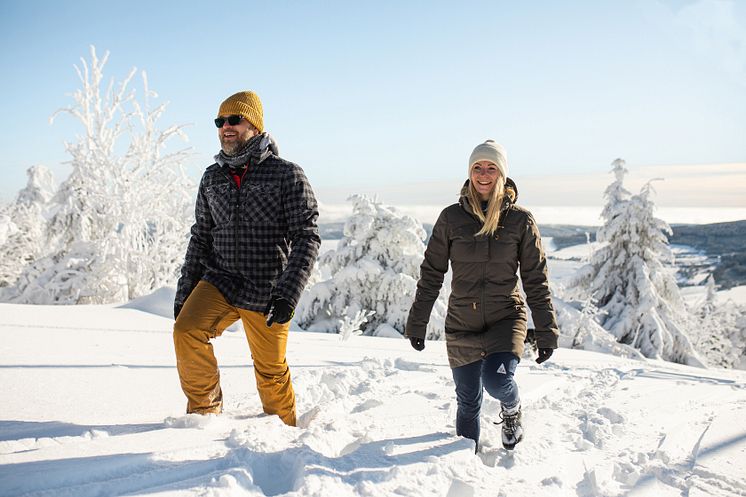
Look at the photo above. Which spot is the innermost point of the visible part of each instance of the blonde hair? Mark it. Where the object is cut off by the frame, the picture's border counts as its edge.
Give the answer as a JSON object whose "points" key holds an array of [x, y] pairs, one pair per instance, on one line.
{"points": [[491, 219]]}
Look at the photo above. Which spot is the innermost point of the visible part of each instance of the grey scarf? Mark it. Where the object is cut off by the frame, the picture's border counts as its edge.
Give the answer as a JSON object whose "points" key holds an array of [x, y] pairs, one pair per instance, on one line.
{"points": [[258, 148]]}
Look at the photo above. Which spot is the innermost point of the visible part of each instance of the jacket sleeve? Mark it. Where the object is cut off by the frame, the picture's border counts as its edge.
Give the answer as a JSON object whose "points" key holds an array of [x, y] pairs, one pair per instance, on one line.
{"points": [[198, 250], [301, 212], [432, 270], [535, 278]]}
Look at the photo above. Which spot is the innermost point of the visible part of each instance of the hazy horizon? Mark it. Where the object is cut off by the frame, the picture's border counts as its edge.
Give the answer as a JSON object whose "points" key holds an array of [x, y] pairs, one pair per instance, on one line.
{"points": [[582, 215]]}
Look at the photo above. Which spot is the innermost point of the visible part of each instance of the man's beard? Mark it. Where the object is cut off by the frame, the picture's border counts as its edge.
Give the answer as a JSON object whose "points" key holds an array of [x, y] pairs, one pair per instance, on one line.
{"points": [[230, 148]]}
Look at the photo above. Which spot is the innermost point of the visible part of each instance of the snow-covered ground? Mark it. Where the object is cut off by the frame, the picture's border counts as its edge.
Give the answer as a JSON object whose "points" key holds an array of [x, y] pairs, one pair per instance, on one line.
{"points": [[736, 294], [92, 407]]}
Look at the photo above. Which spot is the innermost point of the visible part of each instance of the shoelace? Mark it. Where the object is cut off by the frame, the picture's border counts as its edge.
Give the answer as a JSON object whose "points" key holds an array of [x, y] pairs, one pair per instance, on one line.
{"points": [[509, 420]]}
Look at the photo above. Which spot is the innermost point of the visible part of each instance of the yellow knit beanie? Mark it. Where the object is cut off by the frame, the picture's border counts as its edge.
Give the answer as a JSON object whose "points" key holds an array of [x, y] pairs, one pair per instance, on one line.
{"points": [[246, 104]]}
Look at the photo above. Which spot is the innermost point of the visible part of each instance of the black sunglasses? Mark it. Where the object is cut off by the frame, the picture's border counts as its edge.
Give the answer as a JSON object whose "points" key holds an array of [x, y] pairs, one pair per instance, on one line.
{"points": [[232, 120]]}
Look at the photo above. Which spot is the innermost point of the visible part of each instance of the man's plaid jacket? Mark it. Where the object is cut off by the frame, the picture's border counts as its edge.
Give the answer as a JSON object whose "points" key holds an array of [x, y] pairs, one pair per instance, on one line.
{"points": [[254, 242]]}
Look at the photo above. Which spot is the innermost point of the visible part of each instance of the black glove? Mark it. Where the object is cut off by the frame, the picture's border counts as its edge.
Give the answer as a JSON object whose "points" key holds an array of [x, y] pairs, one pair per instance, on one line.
{"points": [[279, 311], [544, 354], [177, 310], [418, 344]]}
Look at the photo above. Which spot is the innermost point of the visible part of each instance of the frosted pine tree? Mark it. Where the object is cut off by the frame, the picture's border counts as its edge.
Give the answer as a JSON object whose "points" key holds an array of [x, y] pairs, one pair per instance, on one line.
{"points": [[39, 189], [7, 227], [374, 268], [739, 338], [709, 303], [602, 275], [720, 337], [637, 296], [24, 239], [579, 329], [120, 221]]}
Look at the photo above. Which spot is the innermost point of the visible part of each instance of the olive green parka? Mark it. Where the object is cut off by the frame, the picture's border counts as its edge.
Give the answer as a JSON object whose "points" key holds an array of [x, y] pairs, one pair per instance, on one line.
{"points": [[486, 313]]}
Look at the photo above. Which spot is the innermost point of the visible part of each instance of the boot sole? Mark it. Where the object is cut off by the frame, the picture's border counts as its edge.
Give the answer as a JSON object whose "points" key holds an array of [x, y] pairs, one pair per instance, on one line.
{"points": [[512, 446]]}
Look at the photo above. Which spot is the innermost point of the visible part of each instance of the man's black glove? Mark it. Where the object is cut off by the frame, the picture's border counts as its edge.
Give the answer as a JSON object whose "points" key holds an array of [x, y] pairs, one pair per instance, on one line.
{"points": [[177, 310], [544, 354], [418, 344], [279, 311]]}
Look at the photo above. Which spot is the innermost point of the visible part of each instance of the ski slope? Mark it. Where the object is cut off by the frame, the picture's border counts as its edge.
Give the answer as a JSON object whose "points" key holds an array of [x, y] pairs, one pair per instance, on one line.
{"points": [[92, 407]]}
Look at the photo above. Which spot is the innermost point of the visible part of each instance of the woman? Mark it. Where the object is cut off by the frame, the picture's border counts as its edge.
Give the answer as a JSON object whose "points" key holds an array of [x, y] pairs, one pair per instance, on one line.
{"points": [[487, 239]]}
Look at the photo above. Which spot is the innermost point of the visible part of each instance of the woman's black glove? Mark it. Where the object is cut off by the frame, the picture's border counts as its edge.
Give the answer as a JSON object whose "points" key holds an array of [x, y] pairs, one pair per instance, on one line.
{"points": [[279, 311], [544, 354], [418, 344]]}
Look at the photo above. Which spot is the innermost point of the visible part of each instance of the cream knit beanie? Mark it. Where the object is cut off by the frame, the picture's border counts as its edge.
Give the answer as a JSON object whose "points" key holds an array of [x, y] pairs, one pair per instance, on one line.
{"points": [[493, 152]]}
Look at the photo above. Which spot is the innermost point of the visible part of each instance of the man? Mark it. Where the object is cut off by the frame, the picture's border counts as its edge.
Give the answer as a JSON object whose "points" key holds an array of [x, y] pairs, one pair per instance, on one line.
{"points": [[252, 249]]}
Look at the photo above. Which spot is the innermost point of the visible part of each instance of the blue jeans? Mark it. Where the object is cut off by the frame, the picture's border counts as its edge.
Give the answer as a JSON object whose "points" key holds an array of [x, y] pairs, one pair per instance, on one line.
{"points": [[495, 373]]}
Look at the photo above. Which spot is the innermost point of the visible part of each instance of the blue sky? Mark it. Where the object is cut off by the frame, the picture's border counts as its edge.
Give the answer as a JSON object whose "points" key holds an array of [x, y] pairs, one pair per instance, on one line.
{"points": [[393, 95]]}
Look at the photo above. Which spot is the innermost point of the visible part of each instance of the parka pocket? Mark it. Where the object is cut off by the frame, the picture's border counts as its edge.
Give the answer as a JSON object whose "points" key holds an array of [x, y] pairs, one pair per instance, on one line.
{"points": [[466, 247], [505, 248], [464, 316], [509, 310]]}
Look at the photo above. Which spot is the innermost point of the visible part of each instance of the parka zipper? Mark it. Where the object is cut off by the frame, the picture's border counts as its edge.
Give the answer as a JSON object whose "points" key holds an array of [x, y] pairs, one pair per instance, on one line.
{"points": [[483, 282], [484, 285], [500, 225]]}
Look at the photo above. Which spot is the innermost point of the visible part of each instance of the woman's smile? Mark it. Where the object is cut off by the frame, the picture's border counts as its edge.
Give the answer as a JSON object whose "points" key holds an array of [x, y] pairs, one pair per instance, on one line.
{"points": [[484, 175]]}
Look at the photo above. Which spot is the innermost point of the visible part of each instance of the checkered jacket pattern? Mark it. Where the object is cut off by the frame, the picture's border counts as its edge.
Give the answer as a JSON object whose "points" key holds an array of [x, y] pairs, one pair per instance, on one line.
{"points": [[254, 242]]}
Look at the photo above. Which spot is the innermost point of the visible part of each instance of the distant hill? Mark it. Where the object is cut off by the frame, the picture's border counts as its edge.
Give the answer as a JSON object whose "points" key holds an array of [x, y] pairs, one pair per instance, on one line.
{"points": [[724, 245], [717, 238], [724, 242]]}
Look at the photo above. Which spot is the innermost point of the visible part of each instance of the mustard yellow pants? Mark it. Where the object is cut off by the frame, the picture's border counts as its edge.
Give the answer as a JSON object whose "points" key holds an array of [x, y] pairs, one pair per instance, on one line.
{"points": [[205, 315]]}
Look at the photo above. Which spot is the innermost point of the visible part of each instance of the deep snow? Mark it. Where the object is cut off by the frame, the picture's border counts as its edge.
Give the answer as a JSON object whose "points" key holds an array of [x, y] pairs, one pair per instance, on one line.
{"points": [[92, 407]]}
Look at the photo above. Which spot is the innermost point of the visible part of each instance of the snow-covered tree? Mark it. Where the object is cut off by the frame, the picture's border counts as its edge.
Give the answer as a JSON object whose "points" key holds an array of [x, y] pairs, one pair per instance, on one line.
{"points": [[580, 330], [39, 189], [709, 302], [739, 340], [79, 275], [636, 294], [721, 335], [25, 221], [118, 225], [374, 268], [7, 227]]}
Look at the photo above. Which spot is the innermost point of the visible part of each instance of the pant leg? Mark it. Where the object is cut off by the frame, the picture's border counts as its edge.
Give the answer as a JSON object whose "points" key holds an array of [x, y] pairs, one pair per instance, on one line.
{"points": [[469, 399], [498, 371], [204, 316], [268, 346]]}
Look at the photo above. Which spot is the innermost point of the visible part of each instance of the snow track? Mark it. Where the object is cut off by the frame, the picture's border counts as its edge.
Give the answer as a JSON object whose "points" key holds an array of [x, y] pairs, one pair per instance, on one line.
{"points": [[375, 418]]}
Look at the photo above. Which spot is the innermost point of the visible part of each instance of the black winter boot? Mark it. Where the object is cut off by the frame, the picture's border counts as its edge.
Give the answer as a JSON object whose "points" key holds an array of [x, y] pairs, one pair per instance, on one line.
{"points": [[512, 431]]}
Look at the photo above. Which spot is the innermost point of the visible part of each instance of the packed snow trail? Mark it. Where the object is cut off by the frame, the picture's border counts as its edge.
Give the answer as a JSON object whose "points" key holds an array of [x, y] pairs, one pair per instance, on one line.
{"points": [[93, 408]]}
